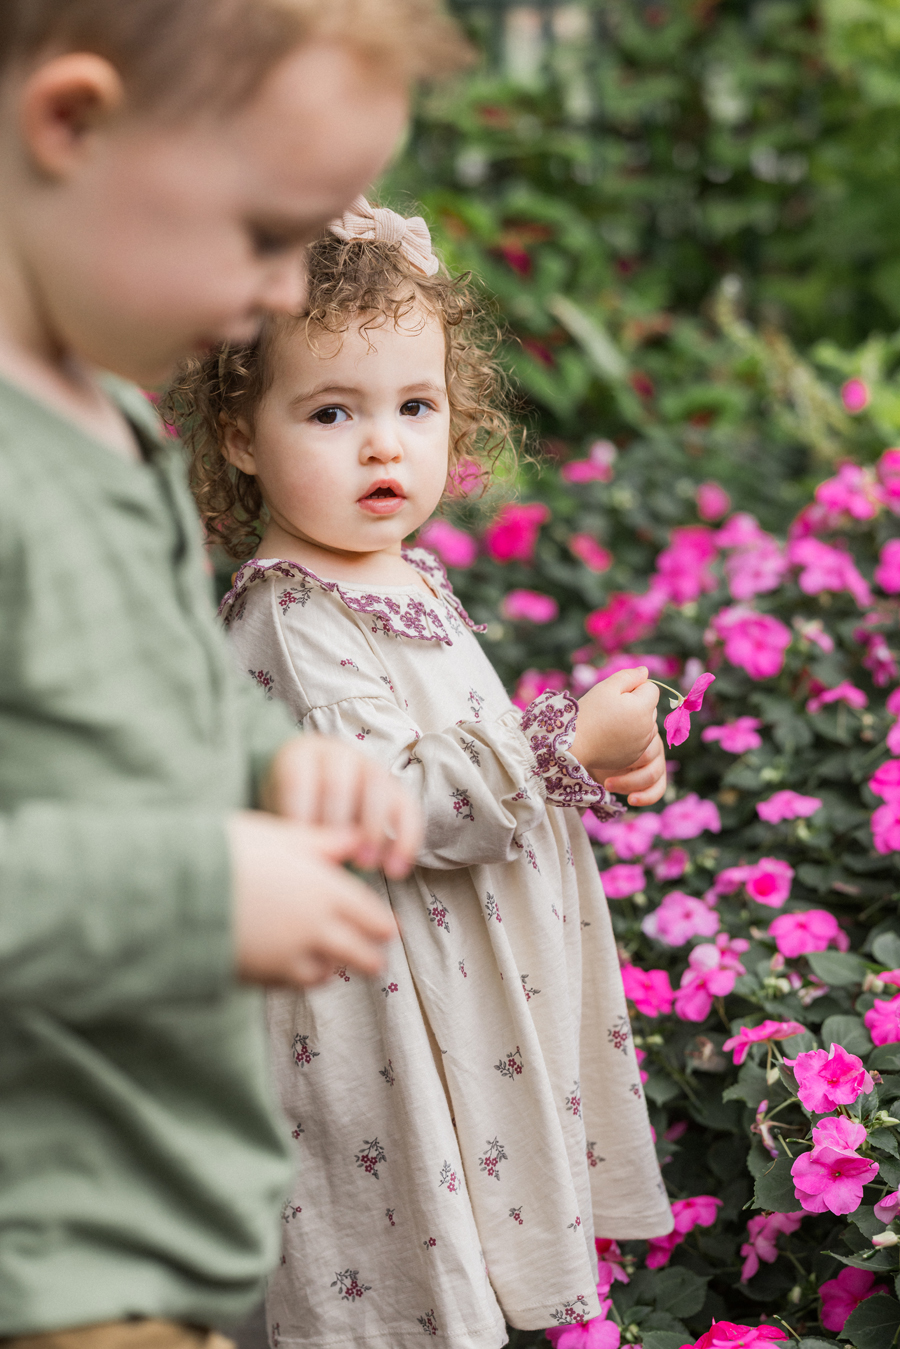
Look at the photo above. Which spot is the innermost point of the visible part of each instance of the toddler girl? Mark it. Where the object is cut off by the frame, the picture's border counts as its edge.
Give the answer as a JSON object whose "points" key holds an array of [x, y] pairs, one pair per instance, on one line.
{"points": [[467, 1125]]}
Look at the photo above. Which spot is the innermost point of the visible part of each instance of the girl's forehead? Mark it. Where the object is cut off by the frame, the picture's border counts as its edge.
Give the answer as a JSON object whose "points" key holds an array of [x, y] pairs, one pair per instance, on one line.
{"points": [[368, 341]]}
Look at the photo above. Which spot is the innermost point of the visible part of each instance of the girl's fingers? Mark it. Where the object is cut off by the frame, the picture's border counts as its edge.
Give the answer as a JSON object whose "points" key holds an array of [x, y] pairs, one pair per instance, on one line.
{"points": [[651, 795]]}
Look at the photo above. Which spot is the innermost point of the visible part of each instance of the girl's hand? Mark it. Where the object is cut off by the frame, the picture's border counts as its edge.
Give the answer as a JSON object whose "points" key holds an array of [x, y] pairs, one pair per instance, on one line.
{"points": [[616, 724], [320, 780], [645, 781]]}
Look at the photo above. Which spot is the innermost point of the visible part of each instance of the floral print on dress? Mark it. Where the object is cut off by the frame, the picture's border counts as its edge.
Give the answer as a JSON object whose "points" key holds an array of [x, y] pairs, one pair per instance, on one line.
{"points": [[619, 1034], [516, 1215], [297, 1130], [348, 1284], [363, 732], [490, 1159], [529, 992], [573, 1227], [511, 1066], [476, 703], [352, 664], [389, 1214], [462, 805], [449, 1179], [573, 1100], [301, 1052], [370, 1156], [593, 1156], [340, 972], [289, 1211], [299, 594], [548, 724], [428, 1323], [429, 1243], [387, 1073], [388, 989], [462, 969], [264, 680], [437, 913], [573, 1314], [492, 908], [469, 750]]}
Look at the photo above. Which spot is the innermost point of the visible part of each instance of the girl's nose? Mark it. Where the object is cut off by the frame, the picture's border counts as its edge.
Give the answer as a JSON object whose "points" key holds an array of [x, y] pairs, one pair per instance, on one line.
{"points": [[381, 446]]}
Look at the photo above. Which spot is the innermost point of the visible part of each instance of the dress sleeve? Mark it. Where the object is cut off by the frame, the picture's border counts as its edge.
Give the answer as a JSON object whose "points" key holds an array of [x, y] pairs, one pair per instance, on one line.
{"points": [[549, 726]]}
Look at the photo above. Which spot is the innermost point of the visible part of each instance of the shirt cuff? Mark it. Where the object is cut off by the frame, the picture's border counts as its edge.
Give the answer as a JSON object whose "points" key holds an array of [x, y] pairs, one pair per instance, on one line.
{"points": [[548, 725]]}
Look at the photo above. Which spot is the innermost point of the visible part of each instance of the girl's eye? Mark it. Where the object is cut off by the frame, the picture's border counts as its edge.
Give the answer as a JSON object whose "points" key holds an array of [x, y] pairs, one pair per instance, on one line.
{"points": [[414, 408], [329, 416]]}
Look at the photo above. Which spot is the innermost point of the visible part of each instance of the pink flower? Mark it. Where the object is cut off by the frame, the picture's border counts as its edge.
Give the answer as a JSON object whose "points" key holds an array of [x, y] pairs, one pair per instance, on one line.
{"points": [[883, 1021], [827, 1080], [532, 683], [735, 736], [590, 552], [839, 1133], [787, 805], [453, 546], [754, 642], [640, 1055], [769, 882], [669, 866], [766, 1032], [879, 658], [622, 880], [711, 973], [826, 1179], [755, 569], [796, 934], [598, 467], [763, 1232], [741, 531], [529, 606], [678, 722], [626, 619], [811, 630], [887, 573], [845, 692], [682, 569], [465, 478], [888, 470], [885, 824], [727, 1335], [609, 1265], [827, 568], [649, 990], [596, 1333], [892, 739], [689, 817], [885, 781], [887, 1208], [630, 837], [513, 535], [700, 1211], [842, 1295], [854, 395], [678, 918], [853, 492], [712, 501]]}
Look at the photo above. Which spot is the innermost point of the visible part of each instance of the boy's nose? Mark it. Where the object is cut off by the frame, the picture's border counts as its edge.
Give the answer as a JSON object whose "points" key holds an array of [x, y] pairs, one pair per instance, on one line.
{"points": [[284, 289]]}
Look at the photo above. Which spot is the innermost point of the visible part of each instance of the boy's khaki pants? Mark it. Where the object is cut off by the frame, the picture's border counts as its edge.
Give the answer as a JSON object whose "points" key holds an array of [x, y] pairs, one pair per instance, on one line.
{"points": [[145, 1334]]}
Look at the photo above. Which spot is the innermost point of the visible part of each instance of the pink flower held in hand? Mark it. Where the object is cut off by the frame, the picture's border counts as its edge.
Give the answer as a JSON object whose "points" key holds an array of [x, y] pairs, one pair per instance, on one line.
{"points": [[854, 395], [453, 546], [885, 781], [765, 1033], [753, 642], [513, 535], [649, 990], [712, 501], [594, 556], [622, 880], [689, 817], [769, 882], [736, 737], [842, 1295], [529, 606], [883, 1021], [887, 1208], [827, 1080], [678, 722], [727, 1335], [788, 805], [845, 692], [678, 918], [887, 573], [796, 934], [763, 1232]]}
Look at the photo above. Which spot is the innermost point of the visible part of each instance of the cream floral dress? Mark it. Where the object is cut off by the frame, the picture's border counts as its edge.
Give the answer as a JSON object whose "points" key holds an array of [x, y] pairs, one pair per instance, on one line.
{"points": [[468, 1123]]}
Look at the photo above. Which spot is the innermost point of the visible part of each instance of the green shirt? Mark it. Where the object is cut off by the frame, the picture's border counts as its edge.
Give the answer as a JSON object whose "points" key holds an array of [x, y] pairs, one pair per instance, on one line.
{"points": [[142, 1160]]}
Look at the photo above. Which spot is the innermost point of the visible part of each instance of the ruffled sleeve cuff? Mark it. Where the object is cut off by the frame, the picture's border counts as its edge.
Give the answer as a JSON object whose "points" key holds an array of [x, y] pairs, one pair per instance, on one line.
{"points": [[548, 725]]}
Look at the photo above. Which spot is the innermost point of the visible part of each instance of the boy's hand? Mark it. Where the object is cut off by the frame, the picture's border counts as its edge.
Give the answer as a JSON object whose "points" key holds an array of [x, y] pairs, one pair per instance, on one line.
{"points": [[644, 781], [616, 725], [320, 780], [297, 913]]}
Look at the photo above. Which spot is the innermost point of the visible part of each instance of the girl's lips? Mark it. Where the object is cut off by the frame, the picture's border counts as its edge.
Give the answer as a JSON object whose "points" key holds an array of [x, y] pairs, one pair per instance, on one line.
{"points": [[381, 505]]}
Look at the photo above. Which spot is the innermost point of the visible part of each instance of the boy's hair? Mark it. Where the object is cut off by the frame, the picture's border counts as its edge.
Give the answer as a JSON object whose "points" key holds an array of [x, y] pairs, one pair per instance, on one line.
{"points": [[365, 281], [217, 52]]}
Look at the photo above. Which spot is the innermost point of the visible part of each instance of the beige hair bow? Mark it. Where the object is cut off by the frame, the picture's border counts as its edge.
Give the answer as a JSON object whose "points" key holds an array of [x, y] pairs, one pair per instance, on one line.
{"points": [[362, 221]]}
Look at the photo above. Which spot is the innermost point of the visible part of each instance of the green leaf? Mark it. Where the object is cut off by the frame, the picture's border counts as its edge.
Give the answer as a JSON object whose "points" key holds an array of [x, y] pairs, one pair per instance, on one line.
{"points": [[679, 1291], [837, 967], [775, 1188], [811, 1342], [864, 1218], [848, 1031], [886, 950], [662, 1339], [751, 1085], [885, 1139], [889, 1171], [660, 1088], [885, 1059], [874, 1324]]}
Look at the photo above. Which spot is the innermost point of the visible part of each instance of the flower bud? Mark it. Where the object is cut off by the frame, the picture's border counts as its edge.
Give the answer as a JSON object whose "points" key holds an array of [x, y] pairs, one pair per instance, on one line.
{"points": [[888, 1238], [773, 1075], [796, 1293]]}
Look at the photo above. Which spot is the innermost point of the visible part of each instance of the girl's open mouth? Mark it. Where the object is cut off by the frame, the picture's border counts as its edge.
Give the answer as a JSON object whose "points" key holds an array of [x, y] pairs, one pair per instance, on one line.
{"points": [[385, 498]]}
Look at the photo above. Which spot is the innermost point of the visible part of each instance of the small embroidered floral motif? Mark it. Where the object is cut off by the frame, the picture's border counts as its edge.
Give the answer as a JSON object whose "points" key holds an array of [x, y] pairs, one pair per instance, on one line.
{"points": [[635, 1089], [391, 988], [348, 1284], [388, 1072], [554, 910], [428, 1323], [570, 860], [352, 664], [619, 1034], [384, 679], [275, 1329], [593, 1158], [389, 1214], [548, 724], [516, 1215], [370, 1156], [462, 969], [437, 914], [476, 703], [490, 1159], [573, 1101], [299, 595], [289, 1211], [531, 859], [573, 1227], [341, 973], [572, 1315], [297, 1130], [471, 752], [363, 732], [529, 992], [492, 908], [585, 923], [432, 1241], [461, 804], [302, 1054], [264, 680], [512, 1065], [448, 1178]]}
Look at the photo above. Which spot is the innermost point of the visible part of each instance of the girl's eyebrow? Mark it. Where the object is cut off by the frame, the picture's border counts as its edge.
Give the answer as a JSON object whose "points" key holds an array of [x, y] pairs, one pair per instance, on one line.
{"points": [[348, 390]]}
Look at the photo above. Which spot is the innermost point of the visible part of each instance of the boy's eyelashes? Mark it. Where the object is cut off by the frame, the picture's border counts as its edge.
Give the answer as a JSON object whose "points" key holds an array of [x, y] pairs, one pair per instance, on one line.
{"points": [[268, 243]]}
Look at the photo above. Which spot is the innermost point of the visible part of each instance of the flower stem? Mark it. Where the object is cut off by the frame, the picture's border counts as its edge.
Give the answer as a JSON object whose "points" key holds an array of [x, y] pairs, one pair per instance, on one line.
{"points": [[659, 684]]}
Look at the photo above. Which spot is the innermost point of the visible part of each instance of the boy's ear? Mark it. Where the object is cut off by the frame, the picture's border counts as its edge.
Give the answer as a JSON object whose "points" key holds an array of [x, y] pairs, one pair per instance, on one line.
{"points": [[61, 102], [237, 445]]}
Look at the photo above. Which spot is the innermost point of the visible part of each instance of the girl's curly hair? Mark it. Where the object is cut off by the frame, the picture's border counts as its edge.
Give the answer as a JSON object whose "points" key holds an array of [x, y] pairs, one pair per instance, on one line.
{"points": [[349, 282]]}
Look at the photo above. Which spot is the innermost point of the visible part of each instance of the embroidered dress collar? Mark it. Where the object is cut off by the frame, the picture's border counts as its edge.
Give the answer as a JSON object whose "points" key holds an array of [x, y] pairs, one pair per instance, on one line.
{"points": [[393, 610]]}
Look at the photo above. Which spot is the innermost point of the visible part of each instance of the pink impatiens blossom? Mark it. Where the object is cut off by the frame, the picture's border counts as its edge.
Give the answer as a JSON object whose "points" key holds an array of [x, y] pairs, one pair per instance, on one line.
{"points": [[727, 1335], [796, 934], [885, 823], [529, 606], [887, 573], [825, 1179], [532, 683], [888, 471], [712, 501], [754, 642], [737, 736], [682, 569], [845, 692], [598, 467], [883, 1021], [689, 817], [609, 1265], [763, 1232], [595, 1333], [649, 990], [622, 880], [842, 1295], [852, 492], [626, 619], [678, 722], [669, 866], [513, 535], [756, 568], [466, 478], [743, 530], [788, 805], [678, 918], [629, 836], [885, 781], [826, 568], [711, 973], [878, 658], [887, 1208], [826, 1080], [769, 881], [854, 395], [699, 1211], [767, 1032], [453, 546], [594, 556]]}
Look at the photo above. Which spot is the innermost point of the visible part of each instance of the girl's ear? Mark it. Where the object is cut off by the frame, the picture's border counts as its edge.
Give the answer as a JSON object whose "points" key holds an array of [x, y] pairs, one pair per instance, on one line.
{"points": [[237, 445]]}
